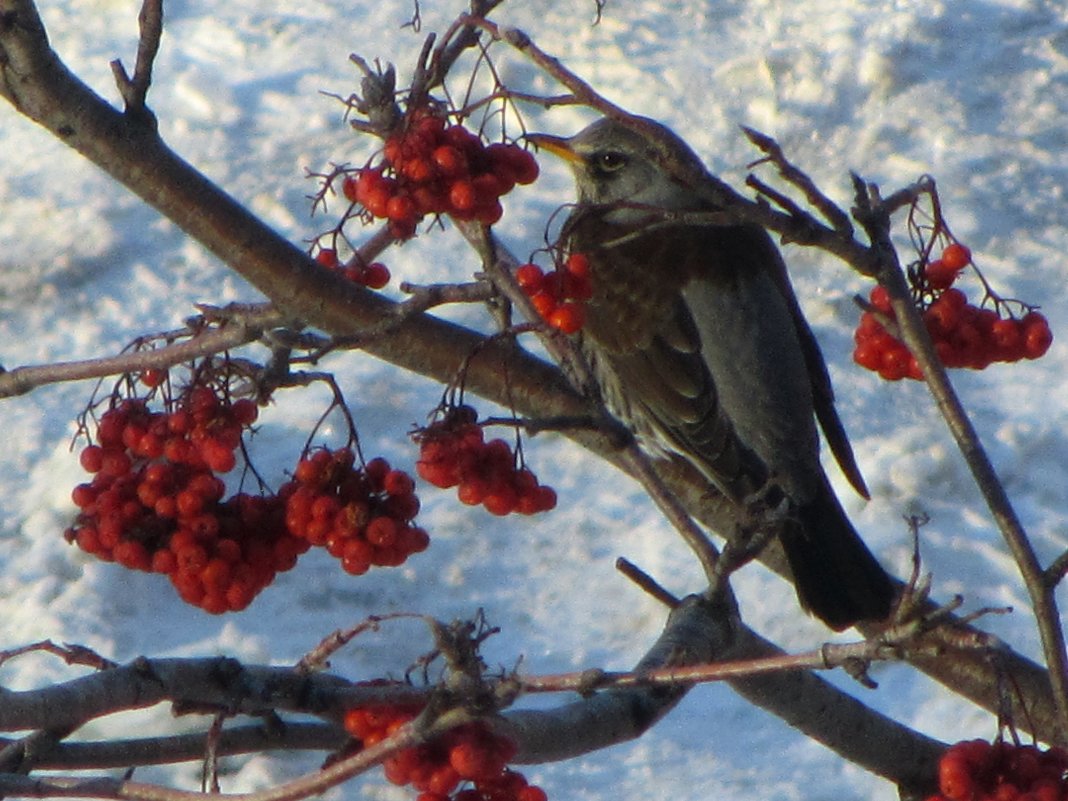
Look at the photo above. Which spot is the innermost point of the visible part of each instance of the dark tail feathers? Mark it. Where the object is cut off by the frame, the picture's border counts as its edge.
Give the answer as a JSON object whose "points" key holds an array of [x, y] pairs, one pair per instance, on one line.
{"points": [[838, 579]]}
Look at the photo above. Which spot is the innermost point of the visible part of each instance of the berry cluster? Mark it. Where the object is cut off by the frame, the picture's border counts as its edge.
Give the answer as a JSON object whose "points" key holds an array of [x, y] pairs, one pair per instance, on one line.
{"points": [[559, 296], [362, 516], [469, 754], [155, 502], [434, 168], [453, 452], [976, 770], [373, 276], [963, 334]]}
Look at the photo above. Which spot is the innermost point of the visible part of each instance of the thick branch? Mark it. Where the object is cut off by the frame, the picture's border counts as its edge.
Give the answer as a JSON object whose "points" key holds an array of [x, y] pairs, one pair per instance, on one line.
{"points": [[219, 683], [277, 736]]}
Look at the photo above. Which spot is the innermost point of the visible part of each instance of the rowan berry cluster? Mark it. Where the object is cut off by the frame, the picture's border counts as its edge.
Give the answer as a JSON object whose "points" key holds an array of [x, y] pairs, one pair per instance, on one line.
{"points": [[431, 167], [976, 770], [964, 335], [373, 276], [155, 502], [470, 755], [560, 295], [453, 452], [362, 516]]}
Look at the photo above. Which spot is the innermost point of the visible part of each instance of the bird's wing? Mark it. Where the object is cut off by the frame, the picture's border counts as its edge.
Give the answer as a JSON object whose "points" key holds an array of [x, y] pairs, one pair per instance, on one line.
{"points": [[642, 340], [822, 391]]}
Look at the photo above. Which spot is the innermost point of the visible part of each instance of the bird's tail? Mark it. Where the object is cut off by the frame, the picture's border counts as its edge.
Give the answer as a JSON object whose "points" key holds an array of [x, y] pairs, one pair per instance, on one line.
{"points": [[837, 578]]}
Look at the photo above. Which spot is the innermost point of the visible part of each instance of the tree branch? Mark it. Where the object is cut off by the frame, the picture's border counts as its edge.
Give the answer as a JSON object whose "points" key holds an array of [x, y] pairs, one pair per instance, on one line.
{"points": [[35, 82]]}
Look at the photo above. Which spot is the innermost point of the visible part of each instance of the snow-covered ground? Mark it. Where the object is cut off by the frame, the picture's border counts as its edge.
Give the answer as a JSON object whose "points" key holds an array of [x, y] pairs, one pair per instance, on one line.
{"points": [[974, 93]]}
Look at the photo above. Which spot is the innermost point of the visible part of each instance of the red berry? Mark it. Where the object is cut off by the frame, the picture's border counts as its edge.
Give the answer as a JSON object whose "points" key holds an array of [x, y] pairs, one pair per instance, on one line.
{"points": [[115, 463], [153, 377], [397, 482], [544, 303], [462, 196], [473, 760], [401, 208], [376, 275], [895, 363], [868, 355], [489, 213], [450, 161], [418, 170], [939, 274], [530, 278], [92, 458], [218, 456], [327, 257], [1008, 337], [956, 779], [956, 256], [403, 228], [1037, 335], [245, 412], [382, 531], [544, 499], [348, 188], [567, 317], [501, 502], [376, 201], [524, 167], [880, 300]]}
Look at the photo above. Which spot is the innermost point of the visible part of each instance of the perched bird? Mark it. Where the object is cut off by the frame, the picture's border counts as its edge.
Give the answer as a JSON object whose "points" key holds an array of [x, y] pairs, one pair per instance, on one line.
{"points": [[699, 345]]}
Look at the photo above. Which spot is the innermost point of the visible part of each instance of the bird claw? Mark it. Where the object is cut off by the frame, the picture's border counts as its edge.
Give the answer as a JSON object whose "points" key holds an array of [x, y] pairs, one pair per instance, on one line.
{"points": [[768, 505], [765, 513]]}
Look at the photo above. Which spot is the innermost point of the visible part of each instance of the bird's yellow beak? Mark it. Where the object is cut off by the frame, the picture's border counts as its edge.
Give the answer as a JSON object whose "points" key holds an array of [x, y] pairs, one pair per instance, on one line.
{"points": [[557, 145]]}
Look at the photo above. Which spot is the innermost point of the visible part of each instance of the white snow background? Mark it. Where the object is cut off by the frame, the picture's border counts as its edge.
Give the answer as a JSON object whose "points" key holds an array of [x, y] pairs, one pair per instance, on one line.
{"points": [[974, 92]]}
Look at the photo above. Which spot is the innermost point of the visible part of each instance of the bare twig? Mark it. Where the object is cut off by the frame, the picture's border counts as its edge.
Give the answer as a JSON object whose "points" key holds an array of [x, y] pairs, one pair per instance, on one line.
{"points": [[244, 328], [838, 219], [134, 90], [646, 582]]}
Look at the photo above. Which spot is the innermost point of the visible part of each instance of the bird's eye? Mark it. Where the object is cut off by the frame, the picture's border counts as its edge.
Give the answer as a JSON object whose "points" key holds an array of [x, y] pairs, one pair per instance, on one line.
{"points": [[610, 161]]}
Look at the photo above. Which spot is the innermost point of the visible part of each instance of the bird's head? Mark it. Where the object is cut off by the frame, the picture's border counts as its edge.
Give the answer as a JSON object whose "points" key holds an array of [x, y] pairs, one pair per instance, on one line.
{"points": [[638, 163]]}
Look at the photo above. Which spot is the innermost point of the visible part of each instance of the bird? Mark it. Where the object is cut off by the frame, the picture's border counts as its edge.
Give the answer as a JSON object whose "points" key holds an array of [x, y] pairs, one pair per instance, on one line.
{"points": [[698, 343]]}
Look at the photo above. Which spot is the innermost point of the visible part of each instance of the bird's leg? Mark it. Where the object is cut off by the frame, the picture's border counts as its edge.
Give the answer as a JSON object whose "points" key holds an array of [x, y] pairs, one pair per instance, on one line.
{"points": [[742, 549], [762, 515]]}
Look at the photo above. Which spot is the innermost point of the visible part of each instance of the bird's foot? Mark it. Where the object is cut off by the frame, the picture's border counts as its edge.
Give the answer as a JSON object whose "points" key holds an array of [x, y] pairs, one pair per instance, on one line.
{"points": [[768, 507]]}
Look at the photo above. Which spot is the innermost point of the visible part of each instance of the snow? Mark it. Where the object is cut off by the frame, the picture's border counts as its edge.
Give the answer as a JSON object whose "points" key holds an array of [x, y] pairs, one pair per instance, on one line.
{"points": [[973, 93]]}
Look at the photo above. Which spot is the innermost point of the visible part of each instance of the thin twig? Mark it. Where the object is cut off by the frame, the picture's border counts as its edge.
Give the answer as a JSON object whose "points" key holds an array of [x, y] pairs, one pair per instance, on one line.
{"points": [[647, 583], [135, 91], [244, 328]]}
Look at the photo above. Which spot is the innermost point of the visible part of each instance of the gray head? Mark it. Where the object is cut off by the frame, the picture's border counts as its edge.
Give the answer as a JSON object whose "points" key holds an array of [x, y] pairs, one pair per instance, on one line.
{"points": [[639, 161]]}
